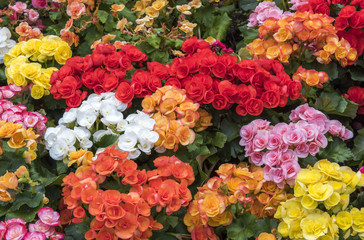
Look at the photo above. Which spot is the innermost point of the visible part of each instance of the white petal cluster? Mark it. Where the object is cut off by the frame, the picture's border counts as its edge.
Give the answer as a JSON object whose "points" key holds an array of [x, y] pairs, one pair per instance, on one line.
{"points": [[5, 42], [99, 116]]}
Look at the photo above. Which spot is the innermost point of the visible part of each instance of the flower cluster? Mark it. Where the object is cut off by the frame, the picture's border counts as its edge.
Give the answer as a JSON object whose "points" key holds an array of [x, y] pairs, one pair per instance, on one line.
{"points": [[20, 71], [264, 11], [292, 35], [175, 116], [9, 91], [356, 94], [42, 229], [19, 114], [243, 184], [279, 147], [5, 42], [210, 78], [19, 138], [99, 116], [27, 32], [310, 77], [102, 71], [126, 215], [325, 184], [8, 181]]}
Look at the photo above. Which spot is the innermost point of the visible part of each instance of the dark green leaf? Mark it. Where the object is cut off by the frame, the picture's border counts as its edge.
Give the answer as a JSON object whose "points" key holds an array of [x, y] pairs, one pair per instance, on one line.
{"points": [[107, 140], [154, 40], [102, 16], [248, 4], [26, 213], [54, 16], [219, 139], [357, 73], [76, 231], [27, 198], [358, 149], [221, 26], [336, 151]]}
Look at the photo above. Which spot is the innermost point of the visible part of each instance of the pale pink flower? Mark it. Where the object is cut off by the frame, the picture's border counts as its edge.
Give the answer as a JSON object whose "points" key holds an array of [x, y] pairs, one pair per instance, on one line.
{"points": [[346, 134], [15, 231], [289, 155], [295, 136], [39, 226], [280, 128], [274, 141], [302, 150], [272, 158], [321, 140], [48, 216], [260, 140], [313, 148], [35, 236], [57, 236], [260, 124], [264, 11], [297, 3], [290, 171], [18, 7], [257, 158], [247, 134], [33, 15]]}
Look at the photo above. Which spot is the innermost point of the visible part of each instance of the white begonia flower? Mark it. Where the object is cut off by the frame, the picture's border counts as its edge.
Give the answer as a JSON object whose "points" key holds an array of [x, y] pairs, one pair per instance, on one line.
{"points": [[133, 128], [68, 135], [145, 146], [86, 143], [59, 150], [130, 118], [110, 114], [5, 42], [82, 133], [122, 125], [68, 117], [86, 119], [127, 142], [134, 154], [120, 106], [99, 134], [51, 135], [87, 107], [147, 135]]}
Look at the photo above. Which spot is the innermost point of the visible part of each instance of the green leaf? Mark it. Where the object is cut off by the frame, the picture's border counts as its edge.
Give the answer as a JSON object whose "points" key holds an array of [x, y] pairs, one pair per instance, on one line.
{"points": [[205, 16], [357, 73], [26, 213], [41, 173], [248, 4], [358, 149], [221, 26], [102, 16], [336, 151], [243, 228], [249, 34], [219, 139], [167, 221], [76, 231], [27, 198], [154, 40], [54, 16], [107, 140], [333, 103], [230, 129]]}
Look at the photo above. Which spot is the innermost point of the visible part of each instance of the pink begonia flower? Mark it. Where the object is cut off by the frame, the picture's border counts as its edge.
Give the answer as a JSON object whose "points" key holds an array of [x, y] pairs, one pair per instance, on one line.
{"points": [[313, 148], [30, 120], [274, 141], [57, 236], [362, 170], [247, 133], [264, 11], [33, 15], [297, 3], [15, 231], [321, 140], [257, 158], [272, 158], [302, 150], [48, 216], [35, 236], [75, 9], [39, 3], [260, 140], [346, 134], [261, 124], [290, 171], [39, 226], [18, 7]]}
